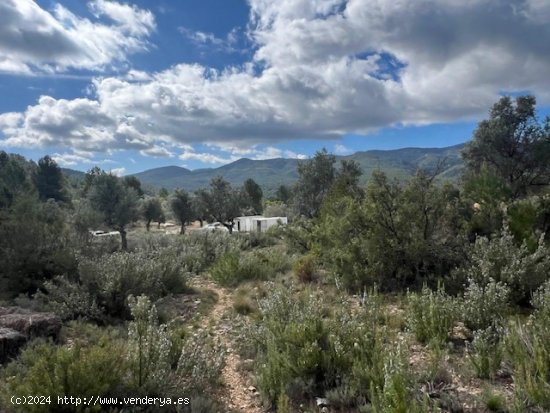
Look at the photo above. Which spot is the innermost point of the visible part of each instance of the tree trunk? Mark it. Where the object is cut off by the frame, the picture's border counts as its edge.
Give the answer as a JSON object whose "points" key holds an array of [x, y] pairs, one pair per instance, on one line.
{"points": [[158, 226], [201, 221], [147, 225], [123, 239], [182, 229]]}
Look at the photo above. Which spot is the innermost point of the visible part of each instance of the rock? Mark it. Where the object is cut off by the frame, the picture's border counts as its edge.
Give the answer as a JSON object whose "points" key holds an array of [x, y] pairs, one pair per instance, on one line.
{"points": [[10, 343], [321, 402], [29, 324]]}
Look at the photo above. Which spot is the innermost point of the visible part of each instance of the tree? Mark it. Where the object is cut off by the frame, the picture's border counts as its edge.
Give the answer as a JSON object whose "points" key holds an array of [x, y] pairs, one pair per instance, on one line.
{"points": [[163, 193], [13, 179], [182, 208], [133, 182], [117, 203], [49, 180], [283, 194], [200, 205], [252, 197], [512, 144], [152, 211], [316, 178], [222, 202]]}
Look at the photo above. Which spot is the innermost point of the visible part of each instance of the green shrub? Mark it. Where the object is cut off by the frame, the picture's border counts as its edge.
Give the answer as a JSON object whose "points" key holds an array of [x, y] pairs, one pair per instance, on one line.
{"points": [[431, 315], [234, 267], [49, 370], [528, 353], [485, 353], [501, 260], [105, 283], [201, 363], [302, 353], [494, 401], [485, 305], [304, 269], [148, 347]]}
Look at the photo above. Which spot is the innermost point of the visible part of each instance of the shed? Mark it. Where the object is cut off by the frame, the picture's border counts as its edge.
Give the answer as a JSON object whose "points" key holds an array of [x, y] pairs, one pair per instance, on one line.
{"points": [[258, 223]]}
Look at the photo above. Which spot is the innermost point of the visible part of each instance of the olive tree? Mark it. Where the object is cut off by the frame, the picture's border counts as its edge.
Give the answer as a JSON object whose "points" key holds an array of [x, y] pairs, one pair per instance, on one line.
{"points": [[117, 203], [182, 208]]}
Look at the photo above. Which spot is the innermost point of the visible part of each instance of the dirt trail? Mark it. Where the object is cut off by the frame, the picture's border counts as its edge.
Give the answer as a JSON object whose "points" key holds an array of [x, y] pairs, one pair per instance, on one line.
{"points": [[236, 393]]}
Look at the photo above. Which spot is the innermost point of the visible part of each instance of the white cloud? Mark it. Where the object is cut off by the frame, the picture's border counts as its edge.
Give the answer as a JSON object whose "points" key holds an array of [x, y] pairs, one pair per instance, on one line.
{"points": [[206, 157], [131, 19], [34, 40], [118, 171], [210, 40], [340, 149], [157, 152], [321, 69]]}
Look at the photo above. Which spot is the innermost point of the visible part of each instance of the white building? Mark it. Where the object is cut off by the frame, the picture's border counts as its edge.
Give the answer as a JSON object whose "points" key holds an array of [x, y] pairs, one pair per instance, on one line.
{"points": [[257, 223]]}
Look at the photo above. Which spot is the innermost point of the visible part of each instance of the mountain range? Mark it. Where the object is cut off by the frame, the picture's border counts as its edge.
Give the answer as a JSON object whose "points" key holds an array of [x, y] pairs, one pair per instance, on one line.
{"points": [[270, 173]]}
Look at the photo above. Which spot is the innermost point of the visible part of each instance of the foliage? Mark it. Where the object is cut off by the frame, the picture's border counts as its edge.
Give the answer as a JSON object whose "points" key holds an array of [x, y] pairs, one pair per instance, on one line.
{"points": [[301, 353], [182, 208], [283, 194], [233, 267], [528, 353], [106, 282], [221, 202], [35, 245], [486, 353], [200, 365], [304, 269], [483, 197], [152, 211], [14, 179], [501, 260], [82, 371], [252, 197], [49, 180], [395, 237], [484, 306], [116, 202], [513, 144], [315, 179], [431, 315], [148, 347]]}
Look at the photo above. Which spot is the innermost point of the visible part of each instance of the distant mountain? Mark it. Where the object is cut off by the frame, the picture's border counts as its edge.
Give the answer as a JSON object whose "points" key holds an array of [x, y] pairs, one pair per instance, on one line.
{"points": [[270, 173]]}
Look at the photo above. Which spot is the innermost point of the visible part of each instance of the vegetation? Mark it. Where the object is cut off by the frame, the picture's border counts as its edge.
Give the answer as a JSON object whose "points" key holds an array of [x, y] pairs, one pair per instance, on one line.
{"points": [[410, 295]]}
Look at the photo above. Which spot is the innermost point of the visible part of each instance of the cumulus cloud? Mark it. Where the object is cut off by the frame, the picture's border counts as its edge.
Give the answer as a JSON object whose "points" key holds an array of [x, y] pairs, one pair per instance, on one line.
{"points": [[321, 69], [340, 149], [35, 40]]}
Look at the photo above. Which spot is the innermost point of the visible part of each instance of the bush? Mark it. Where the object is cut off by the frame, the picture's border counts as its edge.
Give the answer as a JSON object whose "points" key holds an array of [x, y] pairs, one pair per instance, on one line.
{"points": [[45, 369], [201, 363], [301, 353], [501, 260], [484, 306], [148, 347], [234, 267], [304, 269], [431, 315], [529, 355], [107, 281], [485, 353]]}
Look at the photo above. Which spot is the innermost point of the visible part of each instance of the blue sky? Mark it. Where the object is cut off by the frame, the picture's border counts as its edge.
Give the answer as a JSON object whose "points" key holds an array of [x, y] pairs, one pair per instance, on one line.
{"points": [[138, 84]]}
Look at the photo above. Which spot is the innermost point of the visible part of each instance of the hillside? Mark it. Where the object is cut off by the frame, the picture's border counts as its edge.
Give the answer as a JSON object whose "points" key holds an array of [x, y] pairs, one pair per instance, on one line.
{"points": [[270, 173]]}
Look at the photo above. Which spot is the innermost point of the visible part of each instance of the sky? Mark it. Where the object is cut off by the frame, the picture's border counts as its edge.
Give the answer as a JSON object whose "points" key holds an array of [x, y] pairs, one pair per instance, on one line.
{"points": [[132, 85]]}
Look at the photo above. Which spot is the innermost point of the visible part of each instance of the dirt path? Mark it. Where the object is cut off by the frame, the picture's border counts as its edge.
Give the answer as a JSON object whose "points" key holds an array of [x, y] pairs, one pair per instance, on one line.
{"points": [[237, 392]]}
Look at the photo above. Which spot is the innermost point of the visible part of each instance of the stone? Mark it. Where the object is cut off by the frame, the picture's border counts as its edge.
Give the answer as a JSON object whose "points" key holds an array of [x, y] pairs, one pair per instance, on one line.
{"points": [[29, 324], [11, 342]]}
